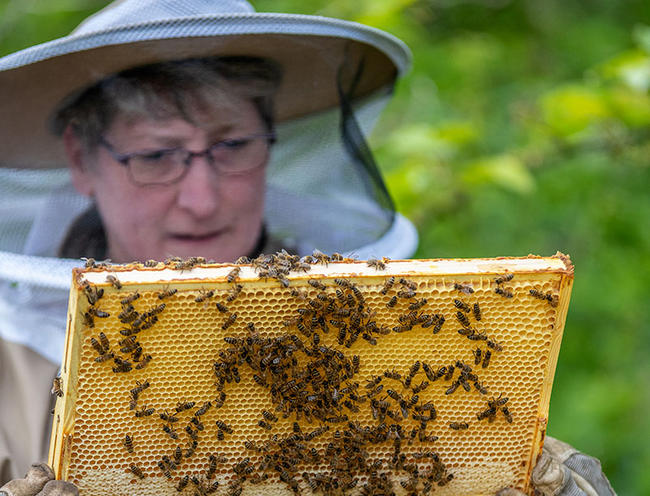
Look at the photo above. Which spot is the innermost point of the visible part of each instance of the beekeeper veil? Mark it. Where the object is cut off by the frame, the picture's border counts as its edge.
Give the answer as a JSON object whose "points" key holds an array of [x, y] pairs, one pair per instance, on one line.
{"points": [[323, 187]]}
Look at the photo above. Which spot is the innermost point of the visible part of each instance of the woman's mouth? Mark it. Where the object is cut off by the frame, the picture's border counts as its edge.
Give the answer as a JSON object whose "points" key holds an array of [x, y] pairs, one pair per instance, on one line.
{"points": [[197, 238]]}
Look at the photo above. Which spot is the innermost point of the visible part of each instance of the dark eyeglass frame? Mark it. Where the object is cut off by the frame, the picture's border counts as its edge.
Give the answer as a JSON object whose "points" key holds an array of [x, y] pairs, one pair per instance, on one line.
{"points": [[125, 158]]}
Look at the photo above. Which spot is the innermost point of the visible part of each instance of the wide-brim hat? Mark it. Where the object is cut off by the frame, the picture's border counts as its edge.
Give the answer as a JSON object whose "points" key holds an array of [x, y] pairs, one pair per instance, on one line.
{"points": [[131, 33]]}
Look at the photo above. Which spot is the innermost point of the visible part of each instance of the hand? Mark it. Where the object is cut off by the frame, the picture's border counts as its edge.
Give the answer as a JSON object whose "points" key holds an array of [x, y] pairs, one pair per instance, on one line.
{"points": [[39, 481], [563, 471]]}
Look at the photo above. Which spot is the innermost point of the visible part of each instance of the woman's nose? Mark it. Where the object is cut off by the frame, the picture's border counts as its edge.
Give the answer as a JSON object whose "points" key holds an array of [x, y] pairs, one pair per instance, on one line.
{"points": [[198, 190]]}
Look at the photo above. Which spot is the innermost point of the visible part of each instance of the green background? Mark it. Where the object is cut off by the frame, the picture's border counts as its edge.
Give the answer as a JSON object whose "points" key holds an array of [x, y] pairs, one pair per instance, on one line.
{"points": [[522, 128]]}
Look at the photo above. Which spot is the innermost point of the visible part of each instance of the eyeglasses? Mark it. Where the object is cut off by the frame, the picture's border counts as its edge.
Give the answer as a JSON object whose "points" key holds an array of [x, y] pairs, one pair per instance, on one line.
{"points": [[166, 166]]}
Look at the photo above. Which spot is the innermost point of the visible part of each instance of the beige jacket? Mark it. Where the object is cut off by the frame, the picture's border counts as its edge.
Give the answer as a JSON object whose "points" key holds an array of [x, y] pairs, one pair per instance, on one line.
{"points": [[25, 405]]}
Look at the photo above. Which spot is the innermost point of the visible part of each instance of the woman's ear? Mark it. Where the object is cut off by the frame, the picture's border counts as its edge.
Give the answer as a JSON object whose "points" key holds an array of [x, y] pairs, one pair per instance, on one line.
{"points": [[78, 162]]}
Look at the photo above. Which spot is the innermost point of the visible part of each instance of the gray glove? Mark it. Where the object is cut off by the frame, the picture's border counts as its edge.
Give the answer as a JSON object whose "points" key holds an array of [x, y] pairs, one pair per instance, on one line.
{"points": [[563, 471], [39, 481]]}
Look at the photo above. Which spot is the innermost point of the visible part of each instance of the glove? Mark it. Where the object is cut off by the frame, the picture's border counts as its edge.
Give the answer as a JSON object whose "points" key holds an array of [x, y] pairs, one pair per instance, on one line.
{"points": [[563, 471], [39, 481]]}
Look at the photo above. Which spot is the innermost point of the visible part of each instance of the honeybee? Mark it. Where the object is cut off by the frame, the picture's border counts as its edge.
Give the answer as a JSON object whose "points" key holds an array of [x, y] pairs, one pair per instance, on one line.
{"points": [[114, 281], [507, 414], [140, 386], [222, 308], [192, 447], [204, 295], [168, 418], [233, 274], [420, 387], [234, 292], [121, 365], [192, 433], [388, 284], [269, 416], [458, 426], [92, 294], [169, 430], [377, 264], [414, 369], [89, 263], [98, 347], [130, 298], [151, 263], [477, 311], [406, 293], [320, 257], [181, 406], [504, 278], [479, 387], [224, 427], [461, 305], [552, 299], [488, 413], [503, 292], [317, 284], [128, 314], [417, 304], [229, 321], [449, 372], [494, 345], [136, 470], [189, 263], [201, 411], [212, 467], [137, 354], [104, 357], [182, 483], [243, 260], [486, 358], [439, 321], [453, 387], [431, 375], [392, 302], [145, 412], [143, 363], [462, 318], [165, 470], [98, 313], [477, 356], [57, 385], [130, 346], [88, 320], [166, 293], [463, 288], [128, 443]]}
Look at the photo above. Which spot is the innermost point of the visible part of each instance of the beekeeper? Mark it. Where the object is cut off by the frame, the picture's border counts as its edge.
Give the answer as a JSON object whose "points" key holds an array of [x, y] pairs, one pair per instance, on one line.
{"points": [[184, 128]]}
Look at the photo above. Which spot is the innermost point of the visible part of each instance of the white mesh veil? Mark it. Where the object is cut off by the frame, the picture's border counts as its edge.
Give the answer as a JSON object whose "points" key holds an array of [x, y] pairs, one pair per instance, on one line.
{"points": [[324, 191]]}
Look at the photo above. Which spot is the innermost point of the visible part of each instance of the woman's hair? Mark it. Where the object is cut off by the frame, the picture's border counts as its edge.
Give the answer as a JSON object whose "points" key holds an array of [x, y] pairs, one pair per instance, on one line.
{"points": [[169, 89]]}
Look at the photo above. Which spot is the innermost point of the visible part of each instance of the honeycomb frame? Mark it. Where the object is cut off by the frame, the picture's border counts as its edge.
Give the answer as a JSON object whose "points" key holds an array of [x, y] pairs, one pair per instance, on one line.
{"points": [[93, 416]]}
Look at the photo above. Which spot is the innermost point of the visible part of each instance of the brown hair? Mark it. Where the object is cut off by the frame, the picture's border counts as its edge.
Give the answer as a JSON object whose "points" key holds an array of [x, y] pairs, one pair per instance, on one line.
{"points": [[169, 89]]}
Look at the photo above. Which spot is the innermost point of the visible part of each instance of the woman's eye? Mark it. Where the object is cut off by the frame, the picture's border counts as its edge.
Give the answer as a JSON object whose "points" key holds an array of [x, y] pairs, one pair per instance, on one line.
{"points": [[235, 143], [154, 156]]}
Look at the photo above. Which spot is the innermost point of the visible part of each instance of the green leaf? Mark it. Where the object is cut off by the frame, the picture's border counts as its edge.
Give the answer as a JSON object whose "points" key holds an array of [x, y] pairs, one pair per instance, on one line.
{"points": [[506, 171], [571, 109]]}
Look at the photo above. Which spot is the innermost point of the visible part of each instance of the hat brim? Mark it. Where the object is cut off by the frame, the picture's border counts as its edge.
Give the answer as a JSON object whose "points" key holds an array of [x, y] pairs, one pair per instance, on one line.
{"points": [[310, 49]]}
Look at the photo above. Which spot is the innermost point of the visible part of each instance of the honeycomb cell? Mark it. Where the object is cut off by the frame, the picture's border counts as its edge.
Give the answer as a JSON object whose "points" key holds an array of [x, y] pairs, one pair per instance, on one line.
{"points": [[330, 416]]}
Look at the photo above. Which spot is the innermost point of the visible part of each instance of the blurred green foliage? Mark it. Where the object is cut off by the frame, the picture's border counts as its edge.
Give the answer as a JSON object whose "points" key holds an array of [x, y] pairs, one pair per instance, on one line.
{"points": [[523, 127]]}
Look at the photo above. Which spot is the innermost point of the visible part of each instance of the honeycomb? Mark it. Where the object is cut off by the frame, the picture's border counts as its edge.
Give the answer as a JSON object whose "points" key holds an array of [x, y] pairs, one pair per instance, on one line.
{"points": [[372, 406]]}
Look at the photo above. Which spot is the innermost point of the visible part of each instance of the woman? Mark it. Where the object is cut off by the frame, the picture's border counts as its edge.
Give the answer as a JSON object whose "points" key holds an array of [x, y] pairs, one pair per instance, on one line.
{"points": [[182, 129]]}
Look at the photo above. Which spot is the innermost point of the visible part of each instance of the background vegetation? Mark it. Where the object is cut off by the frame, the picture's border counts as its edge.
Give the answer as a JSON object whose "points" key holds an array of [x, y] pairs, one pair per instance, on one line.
{"points": [[522, 128]]}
